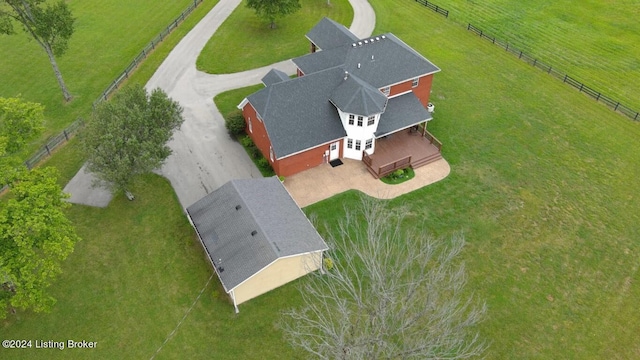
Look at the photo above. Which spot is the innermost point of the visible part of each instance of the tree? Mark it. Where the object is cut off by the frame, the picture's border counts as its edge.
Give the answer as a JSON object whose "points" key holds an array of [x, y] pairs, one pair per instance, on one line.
{"points": [[35, 237], [272, 9], [389, 294], [49, 24], [20, 121], [127, 135]]}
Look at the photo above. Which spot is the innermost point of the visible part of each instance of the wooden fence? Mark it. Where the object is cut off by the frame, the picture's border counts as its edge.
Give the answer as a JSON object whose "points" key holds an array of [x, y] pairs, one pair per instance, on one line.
{"points": [[434, 7], [598, 96]]}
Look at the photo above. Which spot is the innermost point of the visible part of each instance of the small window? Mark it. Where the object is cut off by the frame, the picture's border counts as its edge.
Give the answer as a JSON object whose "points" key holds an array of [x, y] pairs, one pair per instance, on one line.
{"points": [[271, 153], [386, 90], [358, 143], [360, 121], [371, 120], [415, 82], [351, 119], [368, 144], [249, 124], [349, 143]]}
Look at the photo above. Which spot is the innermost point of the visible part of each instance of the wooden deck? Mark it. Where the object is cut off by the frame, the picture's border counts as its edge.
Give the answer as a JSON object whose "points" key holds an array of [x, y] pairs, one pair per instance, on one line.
{"points": [[401, 150]]}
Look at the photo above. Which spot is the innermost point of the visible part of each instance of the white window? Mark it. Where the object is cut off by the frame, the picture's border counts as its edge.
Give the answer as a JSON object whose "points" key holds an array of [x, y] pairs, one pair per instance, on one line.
{"points": [[368, 144], [386, 90], [371, 120], [351, 119], [249, 123], [360, 121], [415, 82], [358, 143], [349, 143], [271, 153]]}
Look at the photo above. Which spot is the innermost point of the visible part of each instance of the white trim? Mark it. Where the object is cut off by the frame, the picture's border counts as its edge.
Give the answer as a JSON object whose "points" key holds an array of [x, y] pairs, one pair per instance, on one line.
{"points": [[404, 128], [402, 93], [233, 297], [411, 78], [243, 103], [307, 149]]}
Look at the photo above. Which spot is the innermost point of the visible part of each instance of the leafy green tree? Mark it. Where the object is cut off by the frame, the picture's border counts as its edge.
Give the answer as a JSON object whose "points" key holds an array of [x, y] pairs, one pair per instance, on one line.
{"points": [[390, 294], [20, 121], [35, 237], [127, 135], [270, 10], [49, 24]]}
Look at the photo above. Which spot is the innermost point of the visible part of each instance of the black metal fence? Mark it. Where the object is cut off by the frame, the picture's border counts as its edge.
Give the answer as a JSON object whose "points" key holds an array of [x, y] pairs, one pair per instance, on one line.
{"points": [[145, 52], [54, 142], [434, 7], [598, 96]]}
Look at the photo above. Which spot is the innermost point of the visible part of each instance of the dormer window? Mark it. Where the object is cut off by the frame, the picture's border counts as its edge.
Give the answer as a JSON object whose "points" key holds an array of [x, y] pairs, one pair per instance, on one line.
{"points": [[371, 120], [360, 121], [352, 119], [386, 90]]}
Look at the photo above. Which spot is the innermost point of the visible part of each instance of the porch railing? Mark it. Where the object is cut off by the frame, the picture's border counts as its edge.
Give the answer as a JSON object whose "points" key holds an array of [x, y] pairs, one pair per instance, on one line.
{"points": [[387, 169], [432, 139]]}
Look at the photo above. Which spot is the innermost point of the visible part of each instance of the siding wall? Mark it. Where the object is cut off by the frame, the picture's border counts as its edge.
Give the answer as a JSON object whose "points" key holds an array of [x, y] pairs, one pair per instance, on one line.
{"points": [[422, 91], [277, 274]]}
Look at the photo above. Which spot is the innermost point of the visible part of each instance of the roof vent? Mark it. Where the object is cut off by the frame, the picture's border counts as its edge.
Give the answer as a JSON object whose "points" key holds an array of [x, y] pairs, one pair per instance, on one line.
{"points": [[220, 269], [254, 233], [354, 44], [358, 65], [238, 207], [371, 57], [360, 43], [377, 38], [346, 75], [384, 37], [366, 41]]}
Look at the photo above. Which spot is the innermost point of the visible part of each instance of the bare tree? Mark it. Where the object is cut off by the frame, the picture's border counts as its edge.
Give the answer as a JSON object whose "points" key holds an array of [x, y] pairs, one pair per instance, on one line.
{"points": [[391, 294]]}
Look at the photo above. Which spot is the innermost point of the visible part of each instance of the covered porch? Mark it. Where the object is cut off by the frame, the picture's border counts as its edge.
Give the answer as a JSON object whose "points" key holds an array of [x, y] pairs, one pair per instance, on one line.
{"points": [[412, 147]]}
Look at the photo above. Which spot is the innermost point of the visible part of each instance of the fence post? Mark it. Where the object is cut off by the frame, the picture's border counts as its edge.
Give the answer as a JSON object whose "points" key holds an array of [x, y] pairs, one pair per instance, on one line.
{"points": [[616, 108], [636, 117], [535, 61], [520, 57], [549, 71], [468, 26], [581, 86], [66, 136], [565, 78], [48, 151]]}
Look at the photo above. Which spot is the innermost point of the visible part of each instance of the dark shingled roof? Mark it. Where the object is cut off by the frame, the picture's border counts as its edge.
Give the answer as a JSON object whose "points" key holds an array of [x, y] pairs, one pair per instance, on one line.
{"points": [[357, 97], [274, 76], [328, 34], [402, 111], [226, 219], [382, 61], [297, 114]]}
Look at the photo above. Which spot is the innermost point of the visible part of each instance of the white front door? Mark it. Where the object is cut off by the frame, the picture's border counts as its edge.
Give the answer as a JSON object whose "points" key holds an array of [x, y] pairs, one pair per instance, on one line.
{"points": [[334, 151]]}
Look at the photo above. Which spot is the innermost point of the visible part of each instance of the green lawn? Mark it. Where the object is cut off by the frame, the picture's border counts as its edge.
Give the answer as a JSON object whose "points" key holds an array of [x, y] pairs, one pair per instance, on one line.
{"points": [[593, 41], [108, 35], [244, 41]]}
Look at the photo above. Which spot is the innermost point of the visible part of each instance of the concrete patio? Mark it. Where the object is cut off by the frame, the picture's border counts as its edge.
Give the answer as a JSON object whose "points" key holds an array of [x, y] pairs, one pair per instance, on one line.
{"points": [[324, 181]]}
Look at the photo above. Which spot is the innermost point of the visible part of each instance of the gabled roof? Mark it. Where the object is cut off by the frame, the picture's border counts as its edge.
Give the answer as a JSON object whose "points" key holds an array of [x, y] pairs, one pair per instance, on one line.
{"points": [[380, 61], [247, 224], [274, 76], [402, 112], [357, 97], [297, 114], [328, 34]]}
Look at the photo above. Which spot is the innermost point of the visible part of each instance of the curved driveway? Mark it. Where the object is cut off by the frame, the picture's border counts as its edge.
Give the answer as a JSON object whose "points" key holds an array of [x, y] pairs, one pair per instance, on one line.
{"points": [[204, 156]]}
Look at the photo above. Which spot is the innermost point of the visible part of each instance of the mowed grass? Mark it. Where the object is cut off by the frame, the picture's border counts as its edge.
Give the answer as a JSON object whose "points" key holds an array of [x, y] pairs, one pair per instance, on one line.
{"points": [[108, 35], [593, 41], [245, 41], [130, 281]]}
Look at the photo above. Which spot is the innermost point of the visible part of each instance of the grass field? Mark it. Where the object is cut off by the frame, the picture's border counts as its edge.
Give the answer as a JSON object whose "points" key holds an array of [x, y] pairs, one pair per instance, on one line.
{"points": [[256, 45], [594, 41], [543, 184], [108, 35]]}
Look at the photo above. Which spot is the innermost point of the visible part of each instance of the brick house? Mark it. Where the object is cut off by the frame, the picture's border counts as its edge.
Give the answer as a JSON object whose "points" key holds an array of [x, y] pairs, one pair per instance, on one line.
{"points": [[363, 99]]}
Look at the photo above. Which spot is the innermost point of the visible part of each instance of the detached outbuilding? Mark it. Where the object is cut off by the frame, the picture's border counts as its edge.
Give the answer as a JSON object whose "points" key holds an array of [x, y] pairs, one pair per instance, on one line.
{"points": [[256, 237]]}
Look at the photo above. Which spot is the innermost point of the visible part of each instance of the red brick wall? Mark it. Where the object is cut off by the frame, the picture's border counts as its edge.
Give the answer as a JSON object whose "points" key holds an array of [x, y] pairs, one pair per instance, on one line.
{"points": [[422, 91], [289, 165]]}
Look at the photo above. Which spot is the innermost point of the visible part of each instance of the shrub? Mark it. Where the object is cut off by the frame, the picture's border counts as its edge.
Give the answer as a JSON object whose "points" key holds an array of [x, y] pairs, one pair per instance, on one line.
{"points": [[328, 264], [234, 122], [263, 164], [398, 174], [247, 142]]}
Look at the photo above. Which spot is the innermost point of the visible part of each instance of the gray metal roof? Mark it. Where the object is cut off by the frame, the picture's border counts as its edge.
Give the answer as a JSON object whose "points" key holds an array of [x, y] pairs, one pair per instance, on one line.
{"points": [[297, 114], [357, 97], [274, 76], [402, 111], [247, 224], [328, 34], [380, 60]]}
